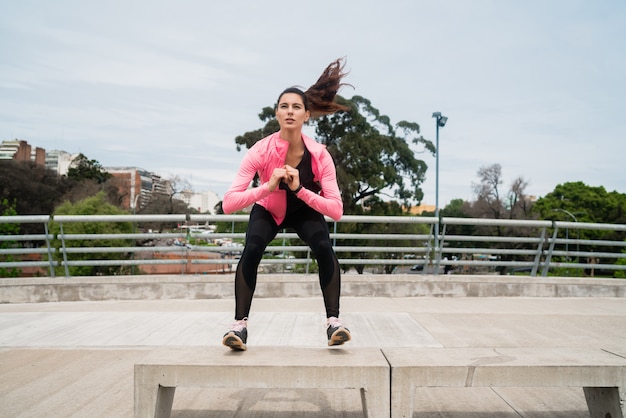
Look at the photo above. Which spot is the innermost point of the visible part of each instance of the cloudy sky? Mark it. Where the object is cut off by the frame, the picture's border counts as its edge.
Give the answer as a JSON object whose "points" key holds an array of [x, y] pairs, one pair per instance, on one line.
{"points": [[538, 86]]}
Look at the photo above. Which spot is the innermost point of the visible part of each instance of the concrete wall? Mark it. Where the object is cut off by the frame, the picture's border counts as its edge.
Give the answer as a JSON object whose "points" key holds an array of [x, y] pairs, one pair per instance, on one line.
{"points": [[163, 287]]}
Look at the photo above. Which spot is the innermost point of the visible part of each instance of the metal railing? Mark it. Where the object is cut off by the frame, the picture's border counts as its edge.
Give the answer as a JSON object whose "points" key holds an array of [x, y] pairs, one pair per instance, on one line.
{"points": [[383, 243], [22, 246]]}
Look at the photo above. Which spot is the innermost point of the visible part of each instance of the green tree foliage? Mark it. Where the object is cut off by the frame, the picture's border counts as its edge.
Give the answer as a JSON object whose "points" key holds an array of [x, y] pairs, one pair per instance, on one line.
{"points": [[578, 202], [586, 203], [90, 178], [8, 209], [37, 190], [95, 205], [457, 208], [373, 157], [82, 168]]}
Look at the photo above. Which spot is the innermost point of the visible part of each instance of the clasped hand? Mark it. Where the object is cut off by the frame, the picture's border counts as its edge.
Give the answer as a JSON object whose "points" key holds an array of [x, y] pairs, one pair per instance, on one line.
{"points": [[287, 174]]}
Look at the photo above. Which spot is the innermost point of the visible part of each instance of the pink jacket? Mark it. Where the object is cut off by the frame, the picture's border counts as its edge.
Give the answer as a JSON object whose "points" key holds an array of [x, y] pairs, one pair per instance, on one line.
{"points": [[270, 153]]}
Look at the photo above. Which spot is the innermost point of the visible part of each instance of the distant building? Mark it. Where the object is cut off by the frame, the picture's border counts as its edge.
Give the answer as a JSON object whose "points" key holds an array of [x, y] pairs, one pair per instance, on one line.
{"points": [[19, 150], [418, 210], [202, 202], [137, 185], [59, 161]]}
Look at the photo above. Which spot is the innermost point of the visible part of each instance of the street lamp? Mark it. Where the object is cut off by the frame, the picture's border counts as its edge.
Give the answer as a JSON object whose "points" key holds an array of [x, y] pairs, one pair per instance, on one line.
{"points": [[567, 232], [440, 123]]}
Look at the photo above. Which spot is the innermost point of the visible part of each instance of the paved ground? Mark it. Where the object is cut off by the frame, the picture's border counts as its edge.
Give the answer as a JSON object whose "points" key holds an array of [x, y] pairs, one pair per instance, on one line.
{"points": [[75, 359]]}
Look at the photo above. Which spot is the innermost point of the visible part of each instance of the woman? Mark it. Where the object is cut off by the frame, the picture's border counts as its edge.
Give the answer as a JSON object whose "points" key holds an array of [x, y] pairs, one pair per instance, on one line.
{"points": [[298, 186]]}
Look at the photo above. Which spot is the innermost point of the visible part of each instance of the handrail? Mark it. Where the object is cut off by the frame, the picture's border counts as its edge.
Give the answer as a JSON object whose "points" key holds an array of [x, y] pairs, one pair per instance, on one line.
{"points": [[537, 246], [6, 260]]}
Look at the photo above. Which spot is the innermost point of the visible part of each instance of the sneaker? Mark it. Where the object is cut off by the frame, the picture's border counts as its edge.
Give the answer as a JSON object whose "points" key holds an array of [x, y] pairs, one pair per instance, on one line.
{"points": [[336, 331], [237, 335]]}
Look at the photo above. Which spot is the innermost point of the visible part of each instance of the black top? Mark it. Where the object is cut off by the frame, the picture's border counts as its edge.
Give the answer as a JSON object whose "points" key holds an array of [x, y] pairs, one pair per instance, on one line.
{"points": [[306, 180]]}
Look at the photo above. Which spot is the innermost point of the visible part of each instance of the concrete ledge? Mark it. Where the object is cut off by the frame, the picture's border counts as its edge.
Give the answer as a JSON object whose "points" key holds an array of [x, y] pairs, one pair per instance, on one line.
{"points": [[601, 373], [158, 375], [163, 287]]}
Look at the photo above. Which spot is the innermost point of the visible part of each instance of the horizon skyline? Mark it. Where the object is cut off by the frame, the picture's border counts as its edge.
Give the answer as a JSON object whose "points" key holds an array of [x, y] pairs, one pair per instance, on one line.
{"points": [[422, 205]]}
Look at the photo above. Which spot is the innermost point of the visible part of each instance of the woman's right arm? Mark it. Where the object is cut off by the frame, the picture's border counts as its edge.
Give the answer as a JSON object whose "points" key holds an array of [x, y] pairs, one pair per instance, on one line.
{"points": [[239, 195]]}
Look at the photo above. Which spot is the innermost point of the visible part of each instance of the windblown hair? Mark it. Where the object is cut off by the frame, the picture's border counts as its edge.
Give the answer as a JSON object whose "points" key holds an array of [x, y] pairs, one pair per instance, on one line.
{"points": [[319, 99]]}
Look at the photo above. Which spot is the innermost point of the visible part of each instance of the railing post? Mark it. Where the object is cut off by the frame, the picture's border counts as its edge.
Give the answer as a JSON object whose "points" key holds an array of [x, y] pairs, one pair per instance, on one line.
{"points": [[67, 270], [429, 248], [308, 261], [437, 250], [440, 251], [546, 266], [535, 268], [49, 248]]}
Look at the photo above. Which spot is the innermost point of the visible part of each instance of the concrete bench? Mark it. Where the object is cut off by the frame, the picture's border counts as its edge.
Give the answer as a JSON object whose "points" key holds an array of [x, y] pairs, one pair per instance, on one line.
{"points": [[158, 375], [602, 374]]}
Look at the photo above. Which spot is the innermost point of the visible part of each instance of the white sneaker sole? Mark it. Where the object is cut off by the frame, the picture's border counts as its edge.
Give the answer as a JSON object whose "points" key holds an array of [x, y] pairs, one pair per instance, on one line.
{"points": [[233, 342], [339, 337]]}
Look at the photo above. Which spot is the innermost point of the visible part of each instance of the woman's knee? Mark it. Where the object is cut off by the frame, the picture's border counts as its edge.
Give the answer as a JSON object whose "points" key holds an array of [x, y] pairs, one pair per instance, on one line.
{"points": [[324, 253]]}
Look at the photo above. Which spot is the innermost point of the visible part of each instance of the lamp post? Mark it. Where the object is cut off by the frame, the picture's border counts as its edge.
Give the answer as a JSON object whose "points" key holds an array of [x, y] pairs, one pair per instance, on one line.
{"points": [[567, 232], [440, 122]]}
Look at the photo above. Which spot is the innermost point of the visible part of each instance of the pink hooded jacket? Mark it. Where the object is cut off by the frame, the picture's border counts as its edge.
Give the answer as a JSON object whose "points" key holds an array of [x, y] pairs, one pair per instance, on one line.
{"points": [[270, 153]]}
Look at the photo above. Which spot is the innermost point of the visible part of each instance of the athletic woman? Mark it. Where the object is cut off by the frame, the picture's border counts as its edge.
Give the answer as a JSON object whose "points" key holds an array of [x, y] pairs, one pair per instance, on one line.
{"points": [[298, 186]]}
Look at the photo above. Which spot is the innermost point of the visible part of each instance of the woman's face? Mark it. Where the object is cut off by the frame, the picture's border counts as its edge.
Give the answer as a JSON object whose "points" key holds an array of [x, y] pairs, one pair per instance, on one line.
{"points": [[290, 111]]}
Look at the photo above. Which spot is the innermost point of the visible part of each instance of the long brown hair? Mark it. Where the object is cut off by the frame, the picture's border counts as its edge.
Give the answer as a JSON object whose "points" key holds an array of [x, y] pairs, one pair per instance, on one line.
{"points": [[319, 99]]}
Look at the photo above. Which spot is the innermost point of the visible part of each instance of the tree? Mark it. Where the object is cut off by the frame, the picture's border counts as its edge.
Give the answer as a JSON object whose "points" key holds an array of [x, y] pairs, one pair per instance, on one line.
{"points": [[166, 203], [488, 191], [83, 168], [34, 189], [520, 206], [586, 203], [37, 190], [177, 187], [372, 156], [82, 189], [95, 205], [491, 203], [578, 202], [458, 208]]}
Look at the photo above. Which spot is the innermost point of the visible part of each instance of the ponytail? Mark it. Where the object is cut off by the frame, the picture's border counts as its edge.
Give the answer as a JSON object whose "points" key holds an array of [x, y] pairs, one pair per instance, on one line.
{"points": [[319, 99]]}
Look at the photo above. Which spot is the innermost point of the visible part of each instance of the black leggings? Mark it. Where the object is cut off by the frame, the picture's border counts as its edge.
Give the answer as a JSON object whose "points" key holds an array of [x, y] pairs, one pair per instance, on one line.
{"points": [[311, 227]]}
